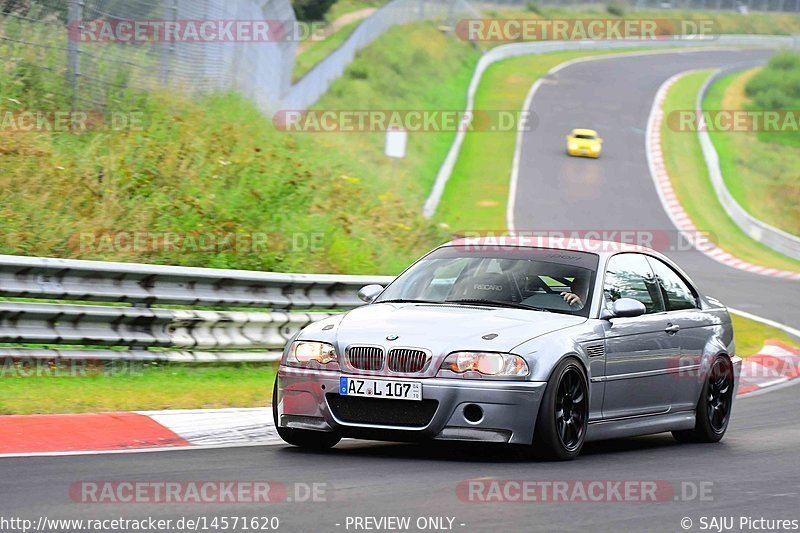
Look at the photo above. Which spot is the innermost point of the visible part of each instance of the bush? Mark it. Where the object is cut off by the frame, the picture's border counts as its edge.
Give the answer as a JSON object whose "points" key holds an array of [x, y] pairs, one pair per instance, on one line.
{"points": [[777, 86], [533, 7], [616, 8], [772, 98], [310, 10], [785, 61]]}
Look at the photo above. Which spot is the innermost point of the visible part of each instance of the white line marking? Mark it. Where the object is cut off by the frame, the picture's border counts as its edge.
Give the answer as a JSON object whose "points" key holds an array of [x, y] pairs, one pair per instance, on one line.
{"points": [[788, 329], [139, 450]]}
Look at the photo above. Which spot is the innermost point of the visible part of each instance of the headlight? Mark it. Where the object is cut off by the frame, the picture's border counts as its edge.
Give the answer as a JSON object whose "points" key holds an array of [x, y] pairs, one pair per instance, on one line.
{"points": [[303, 352], [486, 363], [573, 146]]}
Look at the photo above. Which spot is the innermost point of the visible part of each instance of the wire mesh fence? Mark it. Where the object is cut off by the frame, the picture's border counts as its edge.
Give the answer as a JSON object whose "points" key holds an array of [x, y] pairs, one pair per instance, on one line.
{"points": [[85, 42], [101, 50]]}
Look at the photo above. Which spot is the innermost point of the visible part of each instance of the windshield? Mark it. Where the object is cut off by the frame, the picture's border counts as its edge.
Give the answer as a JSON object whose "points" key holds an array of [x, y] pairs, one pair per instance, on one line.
{"points": [[583, 136], [548, 280]]}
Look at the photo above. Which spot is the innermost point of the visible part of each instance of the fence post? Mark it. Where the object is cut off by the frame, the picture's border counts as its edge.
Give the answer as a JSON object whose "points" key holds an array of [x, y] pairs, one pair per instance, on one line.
{"points": [[167, 55], [74, 27]]}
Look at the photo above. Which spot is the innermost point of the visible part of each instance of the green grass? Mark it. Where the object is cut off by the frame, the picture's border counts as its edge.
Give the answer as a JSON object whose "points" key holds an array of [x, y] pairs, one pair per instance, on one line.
{"points": [[316, 51], [140, 387], [216, 165], [689, 175], [750, 335], [760, 170], [413, 68], [343, 7]]}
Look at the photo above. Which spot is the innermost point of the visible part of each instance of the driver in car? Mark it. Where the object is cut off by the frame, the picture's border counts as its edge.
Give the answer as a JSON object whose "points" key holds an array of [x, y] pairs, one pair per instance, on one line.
{"points": [[578, 292]]}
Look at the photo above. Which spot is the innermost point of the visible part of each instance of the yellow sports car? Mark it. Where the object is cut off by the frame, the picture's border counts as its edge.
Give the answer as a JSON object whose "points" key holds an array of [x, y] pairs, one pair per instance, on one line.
{"points": [[584, 143]]}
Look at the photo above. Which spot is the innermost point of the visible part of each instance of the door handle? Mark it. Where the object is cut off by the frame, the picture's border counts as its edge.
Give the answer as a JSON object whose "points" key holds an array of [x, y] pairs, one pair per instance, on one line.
{"points": [[672, 329]]}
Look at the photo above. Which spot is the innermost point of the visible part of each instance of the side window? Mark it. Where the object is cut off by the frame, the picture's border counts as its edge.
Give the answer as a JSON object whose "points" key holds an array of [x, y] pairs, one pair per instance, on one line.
{"points": [[675, 292], [630, 276]]}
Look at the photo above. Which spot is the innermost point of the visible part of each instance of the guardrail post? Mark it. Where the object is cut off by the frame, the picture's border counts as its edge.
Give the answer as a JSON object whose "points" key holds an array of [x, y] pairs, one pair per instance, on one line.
{"points": [[74, 28], [139, 306]]}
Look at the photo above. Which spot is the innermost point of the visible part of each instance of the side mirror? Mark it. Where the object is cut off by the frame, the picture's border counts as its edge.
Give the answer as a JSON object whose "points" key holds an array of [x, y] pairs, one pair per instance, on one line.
{"points": [[624, 308], [369, 293]]}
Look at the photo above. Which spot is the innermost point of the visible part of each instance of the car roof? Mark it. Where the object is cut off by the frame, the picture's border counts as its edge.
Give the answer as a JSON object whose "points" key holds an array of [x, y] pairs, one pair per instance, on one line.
{"points": [[567, 242], [582, 131]]}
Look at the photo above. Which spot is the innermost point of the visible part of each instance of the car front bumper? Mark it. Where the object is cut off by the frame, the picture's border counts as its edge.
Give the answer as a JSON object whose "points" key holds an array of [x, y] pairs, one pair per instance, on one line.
{"points": [[310, 400], [584, 152]]}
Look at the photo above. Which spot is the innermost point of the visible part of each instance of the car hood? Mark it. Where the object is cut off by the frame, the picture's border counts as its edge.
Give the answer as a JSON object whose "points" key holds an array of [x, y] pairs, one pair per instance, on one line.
{"points": [[442, 328]]}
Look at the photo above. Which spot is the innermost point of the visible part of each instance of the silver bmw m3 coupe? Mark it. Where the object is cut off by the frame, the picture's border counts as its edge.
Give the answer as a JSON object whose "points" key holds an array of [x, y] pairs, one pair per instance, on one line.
{"points": [[542, 345]]}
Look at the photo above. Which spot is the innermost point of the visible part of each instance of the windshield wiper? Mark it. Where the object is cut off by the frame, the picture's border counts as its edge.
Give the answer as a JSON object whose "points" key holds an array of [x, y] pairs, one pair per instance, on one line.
{"points": [[497, 303]]}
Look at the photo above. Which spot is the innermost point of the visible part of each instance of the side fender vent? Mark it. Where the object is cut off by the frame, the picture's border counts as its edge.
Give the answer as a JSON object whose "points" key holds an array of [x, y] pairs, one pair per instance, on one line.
{"points": [[596, 350]]}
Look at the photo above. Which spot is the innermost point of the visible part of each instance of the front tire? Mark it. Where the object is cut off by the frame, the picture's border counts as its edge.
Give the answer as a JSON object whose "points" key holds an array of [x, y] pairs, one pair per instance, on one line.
{"points": [[563, 414], [713, 410], [302, 438]]}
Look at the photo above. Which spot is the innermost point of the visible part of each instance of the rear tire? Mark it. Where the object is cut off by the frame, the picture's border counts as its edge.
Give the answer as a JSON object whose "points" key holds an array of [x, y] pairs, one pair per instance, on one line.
{"points": [[713, 410], [563, 414], [302, 438]]}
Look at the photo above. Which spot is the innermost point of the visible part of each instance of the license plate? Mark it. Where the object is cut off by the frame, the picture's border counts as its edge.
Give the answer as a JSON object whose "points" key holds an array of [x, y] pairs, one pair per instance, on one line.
{"points": [[379, 388]]}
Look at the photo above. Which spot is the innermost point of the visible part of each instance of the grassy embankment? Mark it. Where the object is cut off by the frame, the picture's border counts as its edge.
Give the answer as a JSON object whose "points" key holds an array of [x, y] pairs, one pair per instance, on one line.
{"points": [[218, 166], [689, 175], [762, 169]]}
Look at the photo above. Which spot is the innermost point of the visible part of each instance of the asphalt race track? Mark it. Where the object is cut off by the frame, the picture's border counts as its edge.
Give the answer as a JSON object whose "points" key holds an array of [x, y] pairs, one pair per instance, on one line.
{"points": [[754, 471], [560, 193]]}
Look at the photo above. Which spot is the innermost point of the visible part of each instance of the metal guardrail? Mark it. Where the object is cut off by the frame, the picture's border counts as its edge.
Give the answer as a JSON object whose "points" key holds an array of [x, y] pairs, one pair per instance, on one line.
{"points": [[508, 51], [147, 331], [777, 239]]}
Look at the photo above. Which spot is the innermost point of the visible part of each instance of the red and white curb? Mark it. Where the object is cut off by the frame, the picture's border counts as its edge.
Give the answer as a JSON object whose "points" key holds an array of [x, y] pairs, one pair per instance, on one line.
{"points": [[775, 364], [31, 435], [681, 220]]}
